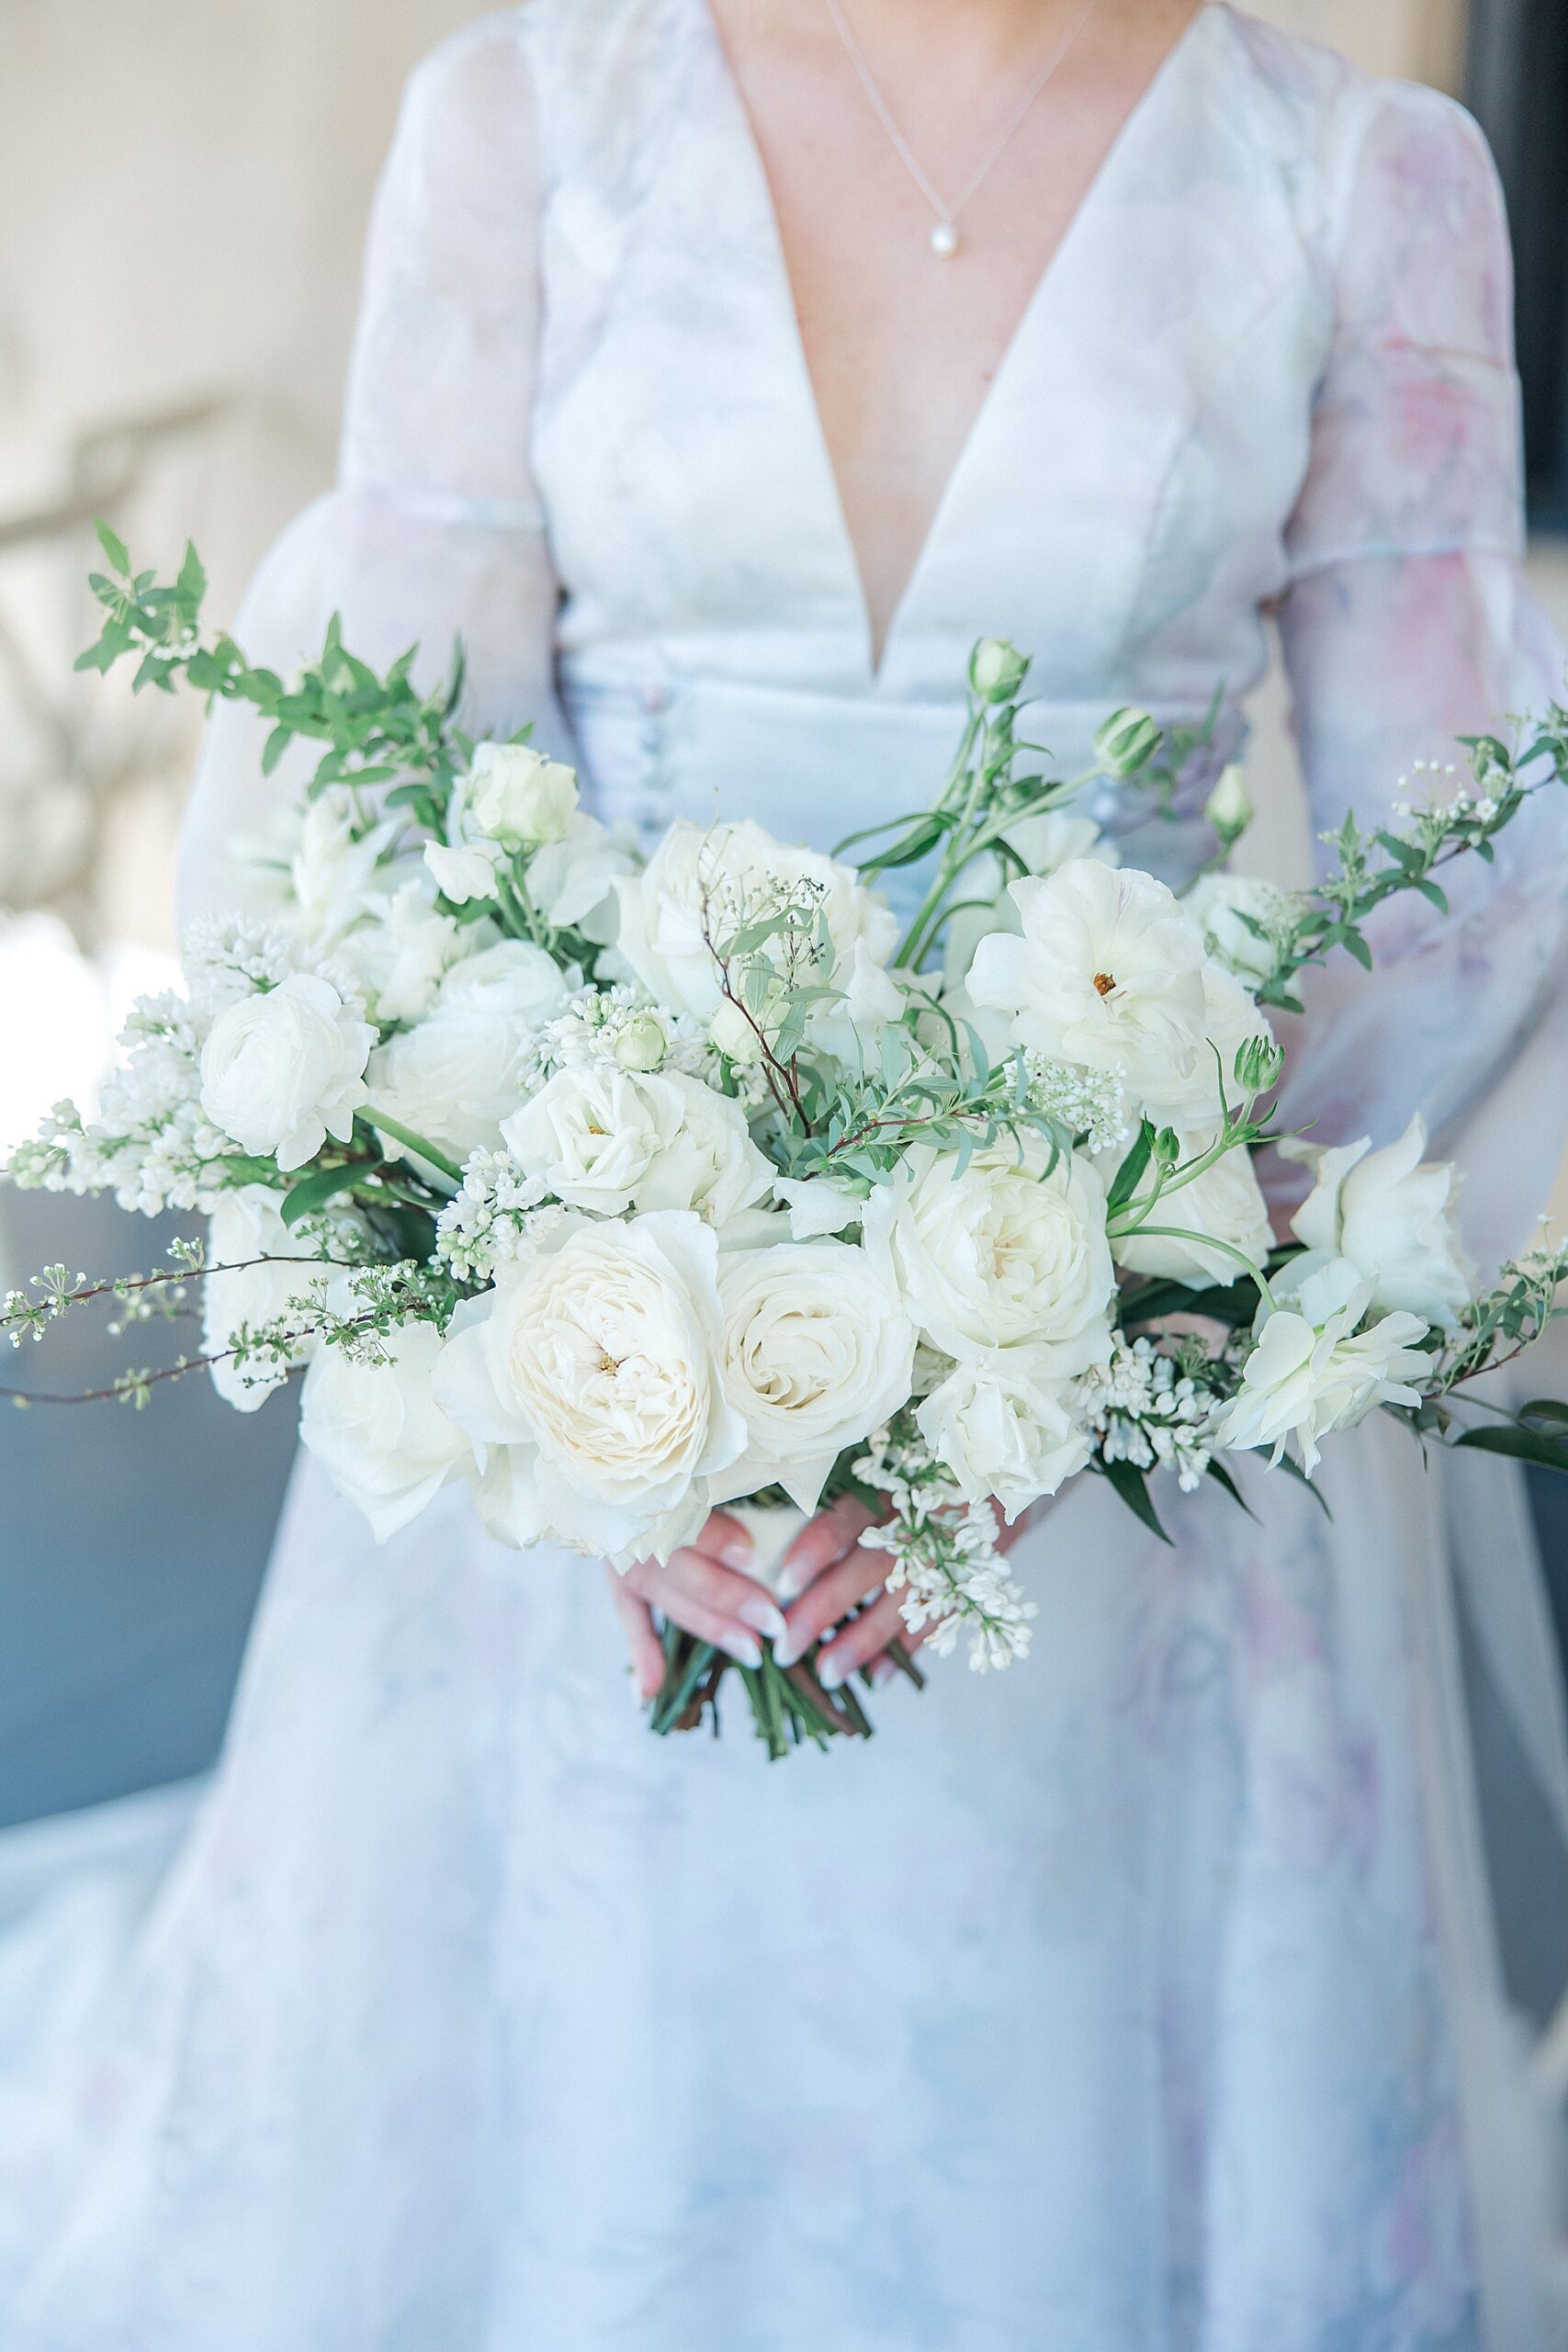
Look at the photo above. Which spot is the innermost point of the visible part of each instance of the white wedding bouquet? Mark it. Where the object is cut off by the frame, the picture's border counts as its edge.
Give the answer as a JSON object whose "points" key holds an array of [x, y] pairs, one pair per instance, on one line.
{"points": [[619, 1191]]}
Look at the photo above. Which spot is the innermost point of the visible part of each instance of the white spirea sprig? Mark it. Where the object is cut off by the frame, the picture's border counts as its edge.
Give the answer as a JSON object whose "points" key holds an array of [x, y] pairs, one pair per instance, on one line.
{"points": [[944, 1563], [1090, 1103], [1153, 1411]]}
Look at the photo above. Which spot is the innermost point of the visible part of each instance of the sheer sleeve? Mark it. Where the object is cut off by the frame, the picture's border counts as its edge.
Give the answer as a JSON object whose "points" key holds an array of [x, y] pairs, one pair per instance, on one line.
{"points": [[1406, 623], [435, 531]]}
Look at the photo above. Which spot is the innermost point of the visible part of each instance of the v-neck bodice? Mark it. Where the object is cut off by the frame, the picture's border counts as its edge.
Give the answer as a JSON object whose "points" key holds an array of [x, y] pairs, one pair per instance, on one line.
{"points": [[1118, 509]]}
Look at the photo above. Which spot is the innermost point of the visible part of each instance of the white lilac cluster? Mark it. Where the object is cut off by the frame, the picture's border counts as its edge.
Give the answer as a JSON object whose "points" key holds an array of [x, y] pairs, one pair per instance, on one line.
{"points": [[486, 1225], [1089, 1103], [1145, 1408], [622, 1024], [152, 1144], [943, 1560]]}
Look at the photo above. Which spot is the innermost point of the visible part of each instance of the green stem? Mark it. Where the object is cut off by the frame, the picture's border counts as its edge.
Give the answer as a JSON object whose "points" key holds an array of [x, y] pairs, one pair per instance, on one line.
{"points": [[411, 1142]]}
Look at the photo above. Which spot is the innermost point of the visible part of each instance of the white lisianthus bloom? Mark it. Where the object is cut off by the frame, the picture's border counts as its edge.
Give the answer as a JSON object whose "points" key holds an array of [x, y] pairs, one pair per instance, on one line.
{"points": [[1224, 906], [514, 794], [400, 952], [595, 1360], [1391, 1214], [465, 871], [457, 1074], [377, 1430], [572, 881], [283, 1068], [1108, 972], [1045, 840], [246, 1225], [1000, 1254], [1002, 1421], [1191, 1097], [608, 1140], [705, 879], [1313, 1369], [816, 1353], [1225, 1205]]}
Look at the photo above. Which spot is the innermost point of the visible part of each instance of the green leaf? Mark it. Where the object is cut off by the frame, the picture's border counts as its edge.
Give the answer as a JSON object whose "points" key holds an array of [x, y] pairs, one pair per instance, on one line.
{"points": [[314, 1192], [1519, 1445], [192, 582], [1222, 1478], [1125, 1182], [1545, 1408], [1293, 1470], [114, 546], [1132, 1484]]}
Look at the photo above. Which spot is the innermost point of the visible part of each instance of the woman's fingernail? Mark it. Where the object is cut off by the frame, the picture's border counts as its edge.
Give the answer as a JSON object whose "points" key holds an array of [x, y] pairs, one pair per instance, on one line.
{"points": [[882, 1673], [744, 1650], [793, 1577], [738, 1552], [791, 1645], [765, 1616], [830, 1671]]}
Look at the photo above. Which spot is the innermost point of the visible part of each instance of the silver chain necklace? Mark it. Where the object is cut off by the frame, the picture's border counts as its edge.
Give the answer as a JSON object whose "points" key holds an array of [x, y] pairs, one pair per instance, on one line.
{"points": [[945, 237]]}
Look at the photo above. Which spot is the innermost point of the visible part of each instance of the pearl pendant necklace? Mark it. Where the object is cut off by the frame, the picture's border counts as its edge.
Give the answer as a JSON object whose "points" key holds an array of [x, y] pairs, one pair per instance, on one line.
{"points": [[945, 237]]}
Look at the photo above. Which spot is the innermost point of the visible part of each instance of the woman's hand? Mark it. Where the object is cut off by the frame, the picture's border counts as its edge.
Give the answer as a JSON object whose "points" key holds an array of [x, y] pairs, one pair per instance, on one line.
{"points": [[702, 1589], [834, 1573]]}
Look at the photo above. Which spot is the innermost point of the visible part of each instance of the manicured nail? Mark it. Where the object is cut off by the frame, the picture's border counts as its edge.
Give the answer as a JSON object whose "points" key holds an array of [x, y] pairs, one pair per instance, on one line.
{"points": [[767, 1619], [791, 1645], [738, 1552], [793, 1577], [830, 1671], [882, 1673], [743, 1650]]}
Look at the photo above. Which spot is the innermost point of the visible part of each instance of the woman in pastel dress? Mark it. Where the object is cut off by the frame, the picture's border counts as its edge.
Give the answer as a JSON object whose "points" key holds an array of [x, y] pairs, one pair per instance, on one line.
{"points": [[1144, 1999]]}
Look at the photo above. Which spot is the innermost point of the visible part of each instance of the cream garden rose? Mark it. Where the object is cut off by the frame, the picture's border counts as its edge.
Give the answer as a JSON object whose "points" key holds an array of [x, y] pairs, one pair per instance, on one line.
{"points": [[816, 1352], [1003, 1421], [999, 1254], [377, 1430], [609, 1140], [596, 1362], [457, 1075], [283, 1070], [704, 881]]}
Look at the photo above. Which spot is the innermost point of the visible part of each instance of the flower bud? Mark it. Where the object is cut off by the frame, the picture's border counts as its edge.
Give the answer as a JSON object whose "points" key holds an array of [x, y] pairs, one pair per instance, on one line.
{"points": [[642, 1044], [518, 798], [1228, 810], [1126, 742], [997, 669], [731, 1034], [1259, 1064]]}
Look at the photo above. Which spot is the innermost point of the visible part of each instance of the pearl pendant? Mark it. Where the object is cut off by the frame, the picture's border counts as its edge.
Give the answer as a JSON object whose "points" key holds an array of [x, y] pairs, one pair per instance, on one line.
{"points": [[944, 240]]}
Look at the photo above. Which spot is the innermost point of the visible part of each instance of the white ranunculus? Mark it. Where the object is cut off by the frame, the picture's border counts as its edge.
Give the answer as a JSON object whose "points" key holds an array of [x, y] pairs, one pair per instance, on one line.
{"points": [[1002, 1422], [463, 871], [246, 1225], [283, 1068], [607, 1140], [595, 1361], [1224, 906], [708, 879], [817, 1352], [1107, 971], [1190, 1097], [572, 881], [1313, 1369], [399, 952], [458, 1075], [1000, 1254], [1391, 1214], [1224, 1205], [514, 794], [377, 1430]]}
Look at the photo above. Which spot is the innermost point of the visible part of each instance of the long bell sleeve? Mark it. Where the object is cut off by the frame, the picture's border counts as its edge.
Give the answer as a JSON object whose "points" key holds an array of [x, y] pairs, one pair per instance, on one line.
{"points": [[1406, 623], [435, 531]]}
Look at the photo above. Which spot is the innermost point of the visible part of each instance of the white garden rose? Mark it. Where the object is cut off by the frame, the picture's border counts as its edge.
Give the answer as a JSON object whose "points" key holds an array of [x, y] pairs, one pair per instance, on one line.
{"points": [[457, 1074], [1000, 1254], [1313, 1369], [1225, 907], [1190, 1097], [399, 952], [708, 879], [816, 1353], [1003, 1423], [595, 1360], [1108, 972], [247, 1226], [1225, 1206], [377, 1430], [606, 1140], [1391, 1214], [514, 794], [572, 881], [283, 1068]]}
